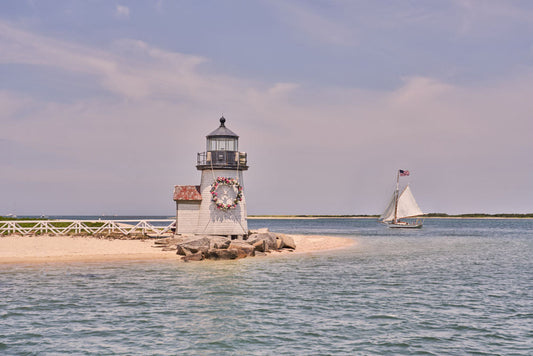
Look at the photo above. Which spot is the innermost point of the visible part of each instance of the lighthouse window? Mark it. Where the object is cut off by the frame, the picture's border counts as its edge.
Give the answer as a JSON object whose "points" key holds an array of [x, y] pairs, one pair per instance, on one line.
{"points": [[222, 144]]}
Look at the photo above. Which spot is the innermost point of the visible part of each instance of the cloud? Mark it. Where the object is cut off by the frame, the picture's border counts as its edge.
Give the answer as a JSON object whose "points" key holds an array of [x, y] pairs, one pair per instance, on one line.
{"points": [[315, 24], [350, 23], [482, 18], [136, 70], [122, 11], [11, 104], [311, 150]]}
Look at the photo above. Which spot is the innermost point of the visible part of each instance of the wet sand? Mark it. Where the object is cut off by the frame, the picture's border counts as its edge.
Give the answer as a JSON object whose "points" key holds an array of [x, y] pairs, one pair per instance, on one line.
{"points": [[38, 249]]}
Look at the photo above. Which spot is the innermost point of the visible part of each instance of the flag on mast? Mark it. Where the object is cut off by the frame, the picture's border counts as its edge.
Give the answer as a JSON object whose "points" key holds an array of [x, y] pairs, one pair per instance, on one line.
{"points": [[404, 172]]}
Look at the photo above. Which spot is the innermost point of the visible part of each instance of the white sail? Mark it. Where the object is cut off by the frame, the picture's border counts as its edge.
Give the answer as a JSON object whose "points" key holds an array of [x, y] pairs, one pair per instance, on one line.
{"points": [[407, 206], [388, 214]]}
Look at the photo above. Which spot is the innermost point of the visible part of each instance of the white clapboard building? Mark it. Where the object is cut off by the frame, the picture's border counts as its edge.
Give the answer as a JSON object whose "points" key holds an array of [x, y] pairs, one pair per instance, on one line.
{"points": [[217, 206]]}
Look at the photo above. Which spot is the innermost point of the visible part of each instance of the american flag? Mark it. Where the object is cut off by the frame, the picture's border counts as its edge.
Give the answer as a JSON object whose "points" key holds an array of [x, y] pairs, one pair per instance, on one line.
{"points": [[404, 173]]}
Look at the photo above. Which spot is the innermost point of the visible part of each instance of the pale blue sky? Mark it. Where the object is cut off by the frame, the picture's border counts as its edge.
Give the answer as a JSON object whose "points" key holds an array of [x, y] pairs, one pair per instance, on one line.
{"points": [[104, 104]]}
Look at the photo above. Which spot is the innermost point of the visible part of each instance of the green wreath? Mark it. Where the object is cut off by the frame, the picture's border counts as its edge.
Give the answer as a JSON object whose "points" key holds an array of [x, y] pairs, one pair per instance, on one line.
{"points": [[229, 182]]}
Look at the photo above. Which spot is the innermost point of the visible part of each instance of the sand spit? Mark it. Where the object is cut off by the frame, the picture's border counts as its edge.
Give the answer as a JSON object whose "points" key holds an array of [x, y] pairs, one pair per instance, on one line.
{"points": [[38, 249], [317, 243]]}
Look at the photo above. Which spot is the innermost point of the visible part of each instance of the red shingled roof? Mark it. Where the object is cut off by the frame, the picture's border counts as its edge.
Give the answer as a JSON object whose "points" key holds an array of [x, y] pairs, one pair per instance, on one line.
{"points": [[187, 192]]}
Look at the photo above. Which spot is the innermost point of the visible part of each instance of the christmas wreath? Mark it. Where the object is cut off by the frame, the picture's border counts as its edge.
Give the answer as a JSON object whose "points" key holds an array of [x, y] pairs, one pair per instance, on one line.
{"points": [[232, 182]]}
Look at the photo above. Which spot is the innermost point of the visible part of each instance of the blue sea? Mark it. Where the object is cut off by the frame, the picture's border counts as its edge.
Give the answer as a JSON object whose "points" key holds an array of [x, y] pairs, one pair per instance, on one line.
{"points": [[455, 287]]}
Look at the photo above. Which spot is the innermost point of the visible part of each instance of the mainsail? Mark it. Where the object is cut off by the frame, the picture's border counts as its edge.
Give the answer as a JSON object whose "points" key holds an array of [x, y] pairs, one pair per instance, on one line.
{"points": [[407, 206]]}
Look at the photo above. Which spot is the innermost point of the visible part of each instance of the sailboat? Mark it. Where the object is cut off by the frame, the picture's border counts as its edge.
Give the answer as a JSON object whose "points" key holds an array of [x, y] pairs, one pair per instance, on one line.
{"points": [[402, 205]]}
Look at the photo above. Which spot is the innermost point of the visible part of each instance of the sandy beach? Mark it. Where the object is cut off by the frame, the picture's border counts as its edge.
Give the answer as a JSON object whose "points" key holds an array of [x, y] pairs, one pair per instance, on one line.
{"points": [[38, 249]]}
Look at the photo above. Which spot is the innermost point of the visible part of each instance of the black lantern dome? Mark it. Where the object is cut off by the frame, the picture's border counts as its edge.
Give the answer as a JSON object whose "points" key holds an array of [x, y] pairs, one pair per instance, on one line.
{"points": [[222, 150], [222, 130]]}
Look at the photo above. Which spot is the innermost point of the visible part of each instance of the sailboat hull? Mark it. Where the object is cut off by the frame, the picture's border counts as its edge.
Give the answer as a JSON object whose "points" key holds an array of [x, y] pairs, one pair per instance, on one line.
{"points": [[404, 226]]}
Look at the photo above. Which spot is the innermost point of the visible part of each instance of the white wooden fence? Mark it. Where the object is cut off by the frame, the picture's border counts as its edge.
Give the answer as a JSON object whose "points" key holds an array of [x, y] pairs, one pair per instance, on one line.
{"points": [[157, 227]]}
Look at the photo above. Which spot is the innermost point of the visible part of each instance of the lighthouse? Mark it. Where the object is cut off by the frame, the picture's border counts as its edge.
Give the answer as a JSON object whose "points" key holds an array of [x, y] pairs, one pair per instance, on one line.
{"points": [[218, 205]]}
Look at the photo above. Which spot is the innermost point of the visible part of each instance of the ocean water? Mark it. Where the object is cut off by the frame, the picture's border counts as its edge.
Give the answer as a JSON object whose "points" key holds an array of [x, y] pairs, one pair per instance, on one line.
{"points": [[454, 287]]}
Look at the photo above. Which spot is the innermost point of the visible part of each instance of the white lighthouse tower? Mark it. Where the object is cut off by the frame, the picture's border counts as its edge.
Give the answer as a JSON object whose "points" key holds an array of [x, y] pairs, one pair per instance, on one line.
{"points": [[218, 205]]}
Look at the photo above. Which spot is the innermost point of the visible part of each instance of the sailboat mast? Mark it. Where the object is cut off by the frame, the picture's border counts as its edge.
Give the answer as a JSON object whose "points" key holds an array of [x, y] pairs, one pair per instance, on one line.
{"points": [[396, 196]]}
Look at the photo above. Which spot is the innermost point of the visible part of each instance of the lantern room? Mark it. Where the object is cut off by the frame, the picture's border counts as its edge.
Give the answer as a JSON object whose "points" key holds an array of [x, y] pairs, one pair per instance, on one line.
{"points": [[222, 150]]}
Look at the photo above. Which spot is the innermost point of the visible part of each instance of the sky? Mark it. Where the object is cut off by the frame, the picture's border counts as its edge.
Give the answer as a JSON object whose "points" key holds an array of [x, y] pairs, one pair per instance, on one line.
{"points": [[105, 104]]}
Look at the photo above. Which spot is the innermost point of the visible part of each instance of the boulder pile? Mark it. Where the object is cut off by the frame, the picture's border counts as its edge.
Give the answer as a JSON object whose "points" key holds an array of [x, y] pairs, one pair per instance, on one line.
{"points": [[200, 247]]}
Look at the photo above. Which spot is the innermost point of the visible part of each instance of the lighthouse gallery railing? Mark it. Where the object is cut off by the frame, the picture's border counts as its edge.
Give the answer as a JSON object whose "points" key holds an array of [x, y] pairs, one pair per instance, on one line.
{"points": [[229, 158]]}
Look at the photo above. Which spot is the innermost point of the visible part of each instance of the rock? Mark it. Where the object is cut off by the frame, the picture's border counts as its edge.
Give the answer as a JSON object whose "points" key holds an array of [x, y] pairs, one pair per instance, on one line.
{"points": [[279, 243], [288, 241], [269, 238], [244, 249], [160, 237], [219, 242], [183, 251], [240, 253], [198, 256], [167, 244], [196, 248], [221, 254], [193, 245], [260, 245]]}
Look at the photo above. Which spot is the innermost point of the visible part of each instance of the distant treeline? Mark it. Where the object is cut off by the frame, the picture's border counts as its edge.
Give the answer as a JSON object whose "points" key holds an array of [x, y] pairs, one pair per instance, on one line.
{"points": [[18, 219], [478, 215], [430, 215], [313, 216]]}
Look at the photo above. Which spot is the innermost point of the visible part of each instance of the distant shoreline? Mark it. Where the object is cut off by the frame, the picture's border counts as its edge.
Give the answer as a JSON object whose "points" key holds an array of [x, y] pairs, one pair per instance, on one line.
{"points": [[308, 217], [312, 217]]}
